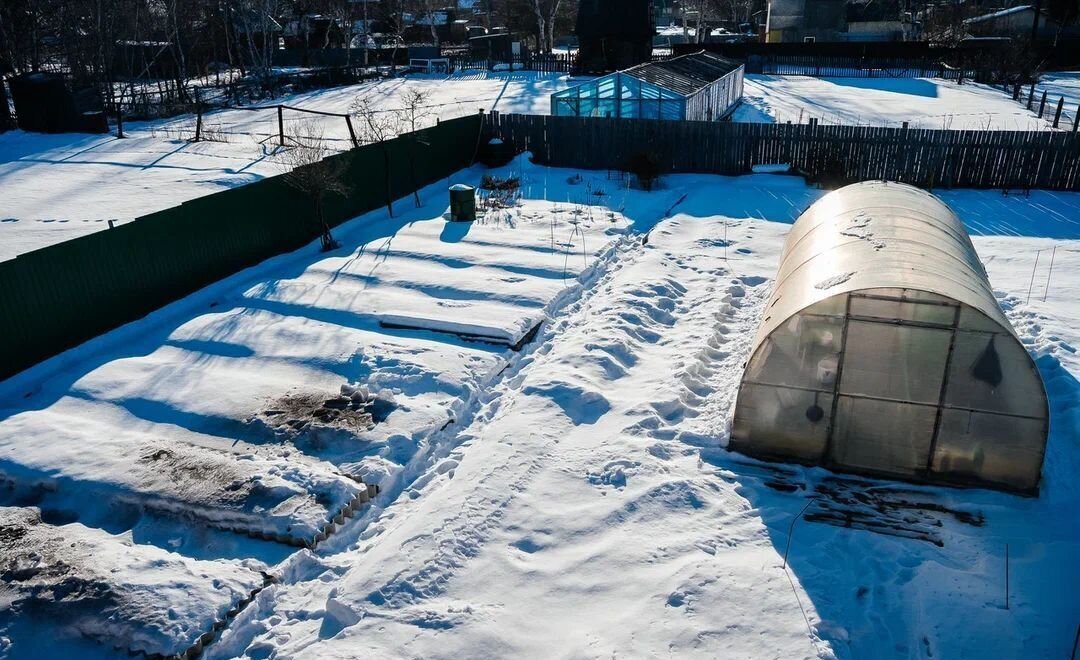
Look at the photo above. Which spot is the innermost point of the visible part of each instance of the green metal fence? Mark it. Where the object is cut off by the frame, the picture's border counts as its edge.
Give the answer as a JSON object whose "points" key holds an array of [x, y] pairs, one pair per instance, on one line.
{"points": [[60, 296]]}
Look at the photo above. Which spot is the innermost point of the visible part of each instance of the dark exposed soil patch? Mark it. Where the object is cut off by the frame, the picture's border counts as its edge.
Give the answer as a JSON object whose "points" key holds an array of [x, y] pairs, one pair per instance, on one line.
{"points": [[354, 409]]}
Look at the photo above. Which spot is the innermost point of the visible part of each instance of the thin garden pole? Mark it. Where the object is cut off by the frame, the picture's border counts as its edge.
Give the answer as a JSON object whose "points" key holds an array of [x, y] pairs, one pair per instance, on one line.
{"points": [[1042, 104], [1049, 274], [1057, 115], [1031, 96], [1032, 283], [1076, 119], [791, 529], [1006, 576]]}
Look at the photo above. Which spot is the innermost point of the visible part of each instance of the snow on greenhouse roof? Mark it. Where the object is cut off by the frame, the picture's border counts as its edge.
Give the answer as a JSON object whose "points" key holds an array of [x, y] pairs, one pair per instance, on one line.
{"points": [[686, 74]]}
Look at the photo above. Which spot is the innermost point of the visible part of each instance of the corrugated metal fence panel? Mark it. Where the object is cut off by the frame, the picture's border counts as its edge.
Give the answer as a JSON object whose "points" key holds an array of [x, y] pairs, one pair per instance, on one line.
{"points": [[923, 157], [62, 295]]}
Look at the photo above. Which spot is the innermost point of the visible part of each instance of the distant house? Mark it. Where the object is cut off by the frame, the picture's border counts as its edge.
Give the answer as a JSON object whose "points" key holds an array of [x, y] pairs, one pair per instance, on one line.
{"points": [[614, 34], [696, 87], [877, 20], [1015, 22], [792, 21]]}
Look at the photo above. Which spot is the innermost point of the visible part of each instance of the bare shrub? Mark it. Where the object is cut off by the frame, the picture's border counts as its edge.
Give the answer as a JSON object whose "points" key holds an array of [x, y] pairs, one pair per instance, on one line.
{"points": [[309, 170]]}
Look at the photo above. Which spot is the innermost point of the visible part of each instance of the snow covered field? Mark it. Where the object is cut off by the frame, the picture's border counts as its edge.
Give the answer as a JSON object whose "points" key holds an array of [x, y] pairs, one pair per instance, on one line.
{"points": [[922, 102], [570, 499], [58, 187], [1062, 84]]}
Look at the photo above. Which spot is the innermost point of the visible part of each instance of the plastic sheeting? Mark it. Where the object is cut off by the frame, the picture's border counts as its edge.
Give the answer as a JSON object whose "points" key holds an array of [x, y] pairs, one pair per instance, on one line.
{"points": [[883, 351]]}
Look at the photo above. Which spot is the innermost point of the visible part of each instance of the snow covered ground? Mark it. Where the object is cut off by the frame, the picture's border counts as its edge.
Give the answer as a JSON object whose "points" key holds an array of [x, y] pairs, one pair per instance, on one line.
{"points": [[573, 498], [922, 102], [1058, 85], [58, 187]]}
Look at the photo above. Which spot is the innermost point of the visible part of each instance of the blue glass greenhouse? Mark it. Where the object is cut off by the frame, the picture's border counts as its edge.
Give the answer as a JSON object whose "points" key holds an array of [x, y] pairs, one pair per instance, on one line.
{"points": [[696, 87]]}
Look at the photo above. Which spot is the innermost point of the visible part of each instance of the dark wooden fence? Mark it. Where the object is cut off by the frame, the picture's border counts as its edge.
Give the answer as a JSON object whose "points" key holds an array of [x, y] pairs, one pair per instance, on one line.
{"points": [[927, 158], [543, 63], [856, 67], [167, 98], [59, 296]]}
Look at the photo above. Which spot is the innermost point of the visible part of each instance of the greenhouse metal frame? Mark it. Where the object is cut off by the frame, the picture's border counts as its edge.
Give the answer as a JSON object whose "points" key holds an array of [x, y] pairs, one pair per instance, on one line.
{"points": [[696, 87], [883, 351]]}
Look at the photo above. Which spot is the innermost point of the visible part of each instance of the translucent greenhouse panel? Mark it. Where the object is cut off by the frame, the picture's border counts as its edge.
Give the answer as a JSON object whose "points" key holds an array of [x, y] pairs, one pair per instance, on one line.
{"points": [[672, 110], [803, 352], [834, 306], [629, 109], [938, 314], [606, 108], [776, 421], [588, 107], [994, 373], [566, 107], [997, 448], [650, 109], [882, 436], [894, 362], [606, 87], [973, 319]]}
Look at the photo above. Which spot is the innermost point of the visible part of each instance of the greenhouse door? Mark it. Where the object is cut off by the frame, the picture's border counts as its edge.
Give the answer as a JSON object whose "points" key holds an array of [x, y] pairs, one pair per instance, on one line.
{"points": [[891, 379]]}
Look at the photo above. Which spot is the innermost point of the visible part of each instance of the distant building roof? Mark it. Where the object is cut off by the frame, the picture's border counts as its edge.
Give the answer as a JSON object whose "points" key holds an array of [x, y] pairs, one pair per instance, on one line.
{"points": [[998, 14], [685, 74]]}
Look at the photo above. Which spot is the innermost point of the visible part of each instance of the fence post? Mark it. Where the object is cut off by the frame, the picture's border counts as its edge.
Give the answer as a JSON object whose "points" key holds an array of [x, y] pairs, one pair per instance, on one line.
{"points": [[281, 126], [1016, 92], [1057, 115], [352, 133], [1042, 104], [1031, 96], [1076, 119], [119, 120], [198, 116]]}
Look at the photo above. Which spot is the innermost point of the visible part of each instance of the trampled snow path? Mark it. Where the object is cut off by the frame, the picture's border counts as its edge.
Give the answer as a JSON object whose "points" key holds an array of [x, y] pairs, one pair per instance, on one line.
{"points": [[568, 505], [589, 508]]}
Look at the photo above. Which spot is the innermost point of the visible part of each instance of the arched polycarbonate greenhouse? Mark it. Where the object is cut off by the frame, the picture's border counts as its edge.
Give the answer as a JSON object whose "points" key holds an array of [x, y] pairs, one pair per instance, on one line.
{"points": [[883, 351]]}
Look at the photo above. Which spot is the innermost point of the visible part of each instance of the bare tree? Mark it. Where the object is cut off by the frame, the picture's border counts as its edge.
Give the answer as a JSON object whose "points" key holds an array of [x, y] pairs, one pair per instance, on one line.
{"points": [[546, 13], [414, 108], [376, 125], [429, 10], [310, 171]]}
